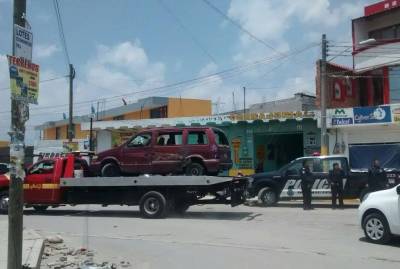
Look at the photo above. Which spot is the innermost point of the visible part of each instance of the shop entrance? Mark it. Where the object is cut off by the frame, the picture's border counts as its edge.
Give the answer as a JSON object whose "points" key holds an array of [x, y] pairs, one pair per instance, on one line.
{"points": [[274, 151]]}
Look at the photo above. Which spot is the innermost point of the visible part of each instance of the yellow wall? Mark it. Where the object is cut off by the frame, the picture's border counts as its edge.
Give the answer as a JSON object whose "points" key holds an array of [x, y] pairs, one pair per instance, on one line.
{"points": [[4, 144], [50, 133], [136, 115], [178, 107]]}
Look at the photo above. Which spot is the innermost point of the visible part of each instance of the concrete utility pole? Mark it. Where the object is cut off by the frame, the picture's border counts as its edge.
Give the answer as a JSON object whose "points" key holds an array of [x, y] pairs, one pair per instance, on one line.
{"points": [[19, 115], [71, 130], [323, 81]]}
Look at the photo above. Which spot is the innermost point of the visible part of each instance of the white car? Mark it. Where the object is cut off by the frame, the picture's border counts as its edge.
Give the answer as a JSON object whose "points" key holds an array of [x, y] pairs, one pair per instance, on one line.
{"points": [[379, 215]]}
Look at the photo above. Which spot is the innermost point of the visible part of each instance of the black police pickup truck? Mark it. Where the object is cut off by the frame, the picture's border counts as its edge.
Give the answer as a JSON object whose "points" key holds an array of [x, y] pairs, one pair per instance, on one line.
{"points": [[284, 184]]}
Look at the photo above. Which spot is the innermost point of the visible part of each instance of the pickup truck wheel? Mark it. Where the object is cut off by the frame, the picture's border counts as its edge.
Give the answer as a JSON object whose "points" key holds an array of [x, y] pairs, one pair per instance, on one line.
{"points": [[110, 170], [153, 205], [267, 197], [4, 200], [376, 229], [40, 208], [194, 169]]}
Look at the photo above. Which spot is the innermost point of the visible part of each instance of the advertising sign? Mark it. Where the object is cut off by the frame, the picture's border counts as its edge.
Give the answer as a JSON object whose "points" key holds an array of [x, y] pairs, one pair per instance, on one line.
{"points": [[340, 117], [396, 113], [24, 80], [23, 40], [370, 115]]}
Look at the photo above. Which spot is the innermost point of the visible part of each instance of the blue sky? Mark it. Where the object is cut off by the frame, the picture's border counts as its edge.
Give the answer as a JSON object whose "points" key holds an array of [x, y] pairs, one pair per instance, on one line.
{"points": [[121, 47]]}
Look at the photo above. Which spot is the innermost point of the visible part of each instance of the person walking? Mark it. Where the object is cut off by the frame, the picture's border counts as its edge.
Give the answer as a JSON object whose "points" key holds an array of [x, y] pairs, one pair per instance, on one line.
{"points": [[307, 181], [377, 179], [335, 179]]}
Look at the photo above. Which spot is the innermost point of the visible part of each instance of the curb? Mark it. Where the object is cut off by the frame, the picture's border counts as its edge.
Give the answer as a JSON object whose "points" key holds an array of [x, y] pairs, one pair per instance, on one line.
{"points": [[33, 246]]}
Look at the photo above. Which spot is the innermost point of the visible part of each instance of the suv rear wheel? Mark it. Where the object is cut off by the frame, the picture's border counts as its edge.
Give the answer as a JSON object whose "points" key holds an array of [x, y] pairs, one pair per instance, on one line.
{"points": [[267, 196], [376, 228], [194, 169], [110, 170]]}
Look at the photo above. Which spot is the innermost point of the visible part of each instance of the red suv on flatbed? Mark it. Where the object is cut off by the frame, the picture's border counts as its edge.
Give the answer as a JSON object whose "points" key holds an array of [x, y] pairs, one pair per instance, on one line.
{"points": [[186, 150]]}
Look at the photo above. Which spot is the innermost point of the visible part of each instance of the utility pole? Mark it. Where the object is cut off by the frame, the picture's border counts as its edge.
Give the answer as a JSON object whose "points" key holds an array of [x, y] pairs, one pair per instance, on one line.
{"points": [[323, 81], [71, 130], [19, 115], [244, 103]]}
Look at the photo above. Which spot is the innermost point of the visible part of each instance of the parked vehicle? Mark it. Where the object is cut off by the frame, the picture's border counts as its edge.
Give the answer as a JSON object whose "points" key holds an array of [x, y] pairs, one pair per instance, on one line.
{"points": [[379, 215], [4, 168], [66, 180], [190, 150], [270, 187]]}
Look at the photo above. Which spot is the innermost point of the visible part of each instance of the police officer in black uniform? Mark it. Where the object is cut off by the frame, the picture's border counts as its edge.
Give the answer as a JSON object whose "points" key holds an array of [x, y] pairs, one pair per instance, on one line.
{"points": [[335, 179], [377, 179], [307, 181]]}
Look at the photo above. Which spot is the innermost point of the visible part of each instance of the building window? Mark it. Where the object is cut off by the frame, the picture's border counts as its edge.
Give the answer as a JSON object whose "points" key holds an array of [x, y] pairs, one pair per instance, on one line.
{"points": [[121, 117], [394, 84], [391, 32], [311, 140], [58, 133], [159, 112]]}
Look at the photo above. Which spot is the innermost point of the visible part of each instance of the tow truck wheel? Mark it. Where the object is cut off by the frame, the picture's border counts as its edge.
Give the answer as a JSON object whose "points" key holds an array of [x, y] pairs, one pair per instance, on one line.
{"points": [[110, 170], [153, 205], [267, 197], [4, 200], [194, 169], [40, 208]]}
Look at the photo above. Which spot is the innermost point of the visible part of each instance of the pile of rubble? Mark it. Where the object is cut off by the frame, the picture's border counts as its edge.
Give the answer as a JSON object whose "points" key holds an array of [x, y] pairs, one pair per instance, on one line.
{"points": [[57, 255]]}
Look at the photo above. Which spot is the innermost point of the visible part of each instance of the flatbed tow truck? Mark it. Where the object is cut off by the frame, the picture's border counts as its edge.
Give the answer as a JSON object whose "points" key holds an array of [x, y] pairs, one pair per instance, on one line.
{"points": [[66, 180]]}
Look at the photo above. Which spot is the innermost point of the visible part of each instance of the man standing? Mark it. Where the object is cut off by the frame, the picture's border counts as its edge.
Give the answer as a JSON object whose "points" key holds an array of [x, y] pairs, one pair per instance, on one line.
{"points": [[306, 185], [377, 179], [335, 179]]}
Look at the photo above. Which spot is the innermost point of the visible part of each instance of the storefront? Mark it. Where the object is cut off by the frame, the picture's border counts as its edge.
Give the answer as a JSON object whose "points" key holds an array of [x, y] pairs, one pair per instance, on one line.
{"points": [[262, 142], [366, 133]]}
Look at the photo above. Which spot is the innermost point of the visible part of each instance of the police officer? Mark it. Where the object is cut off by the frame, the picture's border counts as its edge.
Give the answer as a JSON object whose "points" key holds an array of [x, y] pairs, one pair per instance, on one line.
{"points": [[377, 179], [335, 179], [306, 185]]}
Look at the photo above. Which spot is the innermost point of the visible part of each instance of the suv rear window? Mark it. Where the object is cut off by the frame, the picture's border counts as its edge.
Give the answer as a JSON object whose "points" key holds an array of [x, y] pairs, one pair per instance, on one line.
{"points": [[169, 139], [220, 138], [197, 138]]}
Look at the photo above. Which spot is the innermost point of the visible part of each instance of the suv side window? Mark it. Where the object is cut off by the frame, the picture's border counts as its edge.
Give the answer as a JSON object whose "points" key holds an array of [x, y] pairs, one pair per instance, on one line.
{"points": [[327, 164], [294, 168], [197, 138], [220, 138], [141, 140], [169, 139]]}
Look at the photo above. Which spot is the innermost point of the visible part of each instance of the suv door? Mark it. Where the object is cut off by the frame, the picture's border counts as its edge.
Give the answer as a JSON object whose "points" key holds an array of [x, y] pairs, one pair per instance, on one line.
{"points": [[136, 154], [168, 153]]}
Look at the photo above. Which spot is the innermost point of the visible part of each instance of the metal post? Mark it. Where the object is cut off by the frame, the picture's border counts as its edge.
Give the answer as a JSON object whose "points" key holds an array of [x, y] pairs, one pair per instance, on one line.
{"points": [[91, 133], [19, 115], [323, 81], [244, 103], [71, 130]]}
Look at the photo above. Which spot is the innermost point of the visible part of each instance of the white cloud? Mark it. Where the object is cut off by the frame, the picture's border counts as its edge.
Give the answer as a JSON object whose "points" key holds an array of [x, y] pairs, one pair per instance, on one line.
{"points": [[42, 51]]}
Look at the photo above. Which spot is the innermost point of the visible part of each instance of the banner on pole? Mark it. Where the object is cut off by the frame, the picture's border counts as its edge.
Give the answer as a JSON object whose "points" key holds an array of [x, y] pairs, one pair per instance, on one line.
{"points": [[24, 80]]}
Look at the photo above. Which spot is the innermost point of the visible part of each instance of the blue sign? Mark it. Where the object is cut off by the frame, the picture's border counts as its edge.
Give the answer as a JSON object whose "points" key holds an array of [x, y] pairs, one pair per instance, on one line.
{"points": [[366, 115], [342, 121]]}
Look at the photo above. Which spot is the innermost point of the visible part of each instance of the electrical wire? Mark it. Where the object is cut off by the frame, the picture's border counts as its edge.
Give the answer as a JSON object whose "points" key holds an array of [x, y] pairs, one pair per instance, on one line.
{"points": [[186, 29], [61, 32], [42, 81], [240, 27]]}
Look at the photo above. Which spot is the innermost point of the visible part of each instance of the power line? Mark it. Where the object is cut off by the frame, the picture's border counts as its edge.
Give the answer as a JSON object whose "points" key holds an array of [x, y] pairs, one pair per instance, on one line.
{"points": [[185, 29], [61, 31], [239, 26], [42, 81]]}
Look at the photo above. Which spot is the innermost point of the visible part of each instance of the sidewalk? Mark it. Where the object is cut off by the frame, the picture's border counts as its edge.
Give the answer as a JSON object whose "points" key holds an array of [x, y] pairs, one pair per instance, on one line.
{"points": [[32, 247]]}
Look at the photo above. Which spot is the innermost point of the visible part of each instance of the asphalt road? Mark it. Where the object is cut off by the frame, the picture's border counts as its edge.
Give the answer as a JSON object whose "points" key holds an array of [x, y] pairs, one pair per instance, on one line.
{"points": [[216, 236]]}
